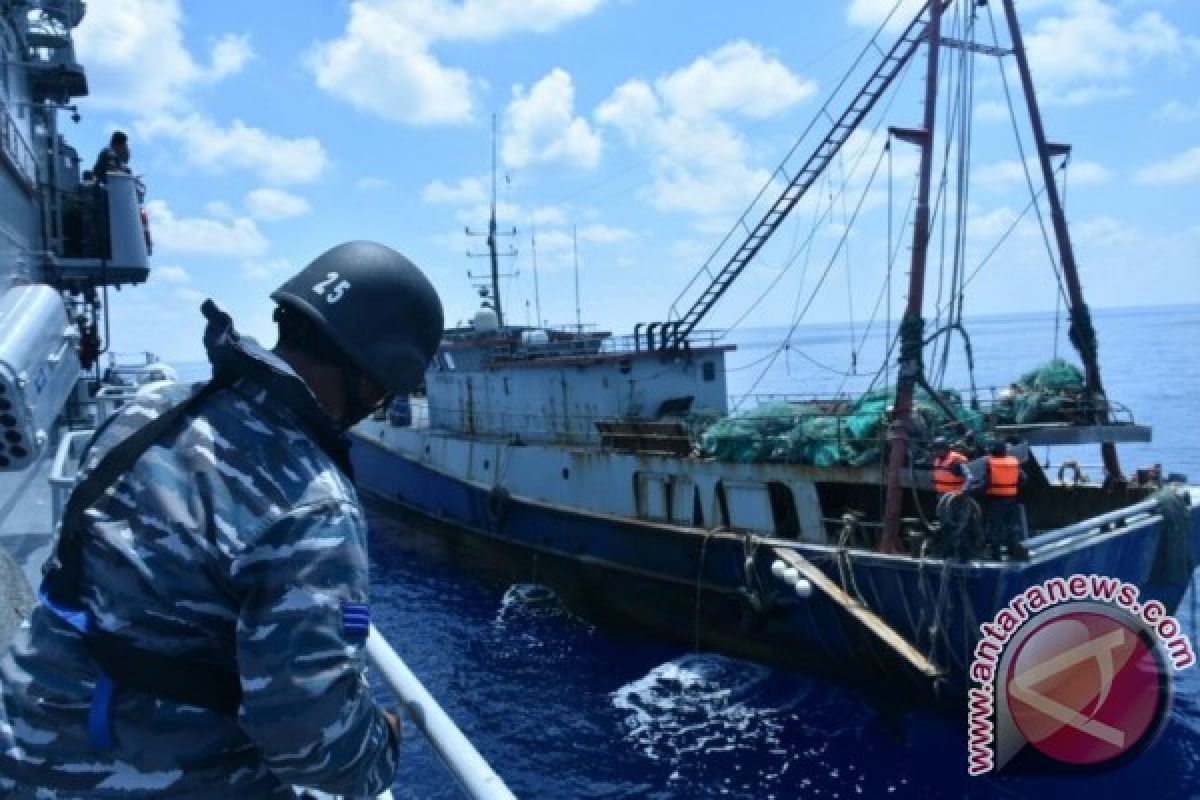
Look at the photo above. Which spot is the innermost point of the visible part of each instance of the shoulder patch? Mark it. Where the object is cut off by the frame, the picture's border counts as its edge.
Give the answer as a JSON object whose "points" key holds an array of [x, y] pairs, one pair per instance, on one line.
{"points": [[356, 621]]}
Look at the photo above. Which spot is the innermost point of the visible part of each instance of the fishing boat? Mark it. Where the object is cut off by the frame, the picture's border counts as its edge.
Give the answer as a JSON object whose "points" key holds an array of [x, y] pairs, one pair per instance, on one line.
{"points": [[803, 534]]}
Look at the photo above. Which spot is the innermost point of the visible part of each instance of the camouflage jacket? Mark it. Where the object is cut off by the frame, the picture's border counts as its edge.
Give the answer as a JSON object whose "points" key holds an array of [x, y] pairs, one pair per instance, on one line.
{"points": [[237, 539]]}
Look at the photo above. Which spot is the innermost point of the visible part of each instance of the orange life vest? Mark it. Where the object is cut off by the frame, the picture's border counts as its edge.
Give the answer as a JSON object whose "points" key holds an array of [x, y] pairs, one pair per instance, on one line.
{"points": [[945, 478], [1003, 476]]}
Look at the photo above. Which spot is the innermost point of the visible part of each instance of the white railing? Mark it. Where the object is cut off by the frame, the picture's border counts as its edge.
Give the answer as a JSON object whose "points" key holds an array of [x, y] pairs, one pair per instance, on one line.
{"points": [[475, 777], [64, 471]]}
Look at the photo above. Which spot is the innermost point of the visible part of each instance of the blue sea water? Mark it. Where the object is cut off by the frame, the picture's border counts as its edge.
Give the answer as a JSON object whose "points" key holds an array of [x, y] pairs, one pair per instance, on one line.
{"points": [[565, 707]]}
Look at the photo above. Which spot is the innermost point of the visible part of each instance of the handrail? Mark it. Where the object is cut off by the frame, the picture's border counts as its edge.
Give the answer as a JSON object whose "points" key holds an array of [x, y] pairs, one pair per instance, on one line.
{"points": [[15, 149], [64, 471], [1119, 518], [472, 772]]}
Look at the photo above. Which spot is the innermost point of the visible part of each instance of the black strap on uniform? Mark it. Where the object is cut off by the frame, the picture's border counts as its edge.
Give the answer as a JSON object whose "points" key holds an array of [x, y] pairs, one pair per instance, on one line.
{"points": [[171, 677]]}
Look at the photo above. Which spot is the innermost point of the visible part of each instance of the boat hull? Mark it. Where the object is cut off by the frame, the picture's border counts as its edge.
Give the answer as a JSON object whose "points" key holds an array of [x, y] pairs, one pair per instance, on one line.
{"points": [[714, 589]]}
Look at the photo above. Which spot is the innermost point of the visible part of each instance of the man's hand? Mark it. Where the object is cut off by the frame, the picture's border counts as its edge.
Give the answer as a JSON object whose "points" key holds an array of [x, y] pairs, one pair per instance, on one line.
{"points": [[394, 721]]}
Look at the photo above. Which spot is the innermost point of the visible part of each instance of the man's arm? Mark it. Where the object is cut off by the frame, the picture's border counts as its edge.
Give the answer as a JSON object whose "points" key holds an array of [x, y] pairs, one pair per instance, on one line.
{"points": [[302, 584]]}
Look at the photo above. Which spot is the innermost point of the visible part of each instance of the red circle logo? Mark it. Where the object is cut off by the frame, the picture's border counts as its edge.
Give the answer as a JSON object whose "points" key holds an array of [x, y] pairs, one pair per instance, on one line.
{"points": [[1086, 687]]}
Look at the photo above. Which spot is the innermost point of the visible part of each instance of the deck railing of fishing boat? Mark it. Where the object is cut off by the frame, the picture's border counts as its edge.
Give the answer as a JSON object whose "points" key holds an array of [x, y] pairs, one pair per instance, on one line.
{"points": [[474, 776]]}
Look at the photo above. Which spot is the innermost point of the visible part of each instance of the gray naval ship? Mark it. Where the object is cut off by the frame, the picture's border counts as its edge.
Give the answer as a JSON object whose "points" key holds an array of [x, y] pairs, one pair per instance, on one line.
{"points": [[68, 238]]}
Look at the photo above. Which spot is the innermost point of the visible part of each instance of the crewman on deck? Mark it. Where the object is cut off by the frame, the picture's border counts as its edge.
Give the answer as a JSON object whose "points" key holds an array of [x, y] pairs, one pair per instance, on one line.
{"points": [[202, 622], [1004, 518], [950, 475], [113, 158], [949, 467]]}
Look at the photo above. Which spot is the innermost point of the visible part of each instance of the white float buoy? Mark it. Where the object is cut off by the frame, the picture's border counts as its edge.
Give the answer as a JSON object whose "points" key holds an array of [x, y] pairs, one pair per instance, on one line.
{"points": [[791, 574], [777, 568], [803, 587]]}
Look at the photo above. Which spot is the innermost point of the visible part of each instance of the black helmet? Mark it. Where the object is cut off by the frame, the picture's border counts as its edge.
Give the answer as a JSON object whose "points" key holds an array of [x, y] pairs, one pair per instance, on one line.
{"points": [[998, 447], [940, 443], [379, 310]]}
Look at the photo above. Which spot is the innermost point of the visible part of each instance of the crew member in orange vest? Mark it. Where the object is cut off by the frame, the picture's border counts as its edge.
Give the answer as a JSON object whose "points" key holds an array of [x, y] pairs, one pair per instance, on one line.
{"points": [[1004, 518], [950, 476], [949, 467]]}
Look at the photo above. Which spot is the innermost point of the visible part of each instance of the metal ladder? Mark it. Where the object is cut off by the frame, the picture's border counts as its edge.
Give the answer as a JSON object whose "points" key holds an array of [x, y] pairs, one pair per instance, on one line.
{"points": [[681, 325]]}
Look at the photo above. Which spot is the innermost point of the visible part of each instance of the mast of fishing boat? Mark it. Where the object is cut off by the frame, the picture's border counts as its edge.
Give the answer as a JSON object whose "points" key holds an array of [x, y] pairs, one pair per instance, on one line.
{"points": [[491, 238], [493, 254], [912, 327], [1082, 334]]}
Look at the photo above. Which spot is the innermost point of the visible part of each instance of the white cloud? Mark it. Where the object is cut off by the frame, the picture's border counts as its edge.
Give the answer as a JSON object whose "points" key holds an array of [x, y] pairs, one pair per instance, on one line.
{"points": [[219, 209], [873, 12], [191, 295], [278, 268], [1004, 174], [540, 127], [991, 111], [467, 190], [239, 238], [207, 145], [170, 274], [229, 55], [1182, 168], [1083, 53], [275, 204], [118, 46], [384, 63], [698, 159], [736, 77], [598, 233], [135, 51], [1179, 111], [1105, 232]]}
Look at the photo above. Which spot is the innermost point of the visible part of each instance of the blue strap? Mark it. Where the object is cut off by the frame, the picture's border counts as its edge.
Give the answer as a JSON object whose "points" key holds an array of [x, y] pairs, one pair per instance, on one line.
{"points": [[77, 619], [100, 722]]}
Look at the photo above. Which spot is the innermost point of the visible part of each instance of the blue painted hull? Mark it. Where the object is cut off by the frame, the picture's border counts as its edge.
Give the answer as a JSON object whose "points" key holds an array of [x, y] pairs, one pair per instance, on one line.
{"points": [[714, 589]]}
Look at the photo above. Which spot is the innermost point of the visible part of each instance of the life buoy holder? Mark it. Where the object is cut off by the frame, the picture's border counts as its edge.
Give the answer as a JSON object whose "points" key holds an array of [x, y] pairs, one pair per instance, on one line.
{"points": [[1077, 476], [497, 505]]}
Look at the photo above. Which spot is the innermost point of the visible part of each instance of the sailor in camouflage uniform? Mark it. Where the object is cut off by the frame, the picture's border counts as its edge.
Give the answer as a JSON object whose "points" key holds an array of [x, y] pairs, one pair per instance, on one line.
{"points": [[201, 626]]}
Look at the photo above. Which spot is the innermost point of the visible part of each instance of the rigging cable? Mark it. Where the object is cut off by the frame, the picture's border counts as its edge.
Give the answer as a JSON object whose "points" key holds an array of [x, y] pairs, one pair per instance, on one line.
{"points": [[818, 220], [1025, 164], [821, 281]]}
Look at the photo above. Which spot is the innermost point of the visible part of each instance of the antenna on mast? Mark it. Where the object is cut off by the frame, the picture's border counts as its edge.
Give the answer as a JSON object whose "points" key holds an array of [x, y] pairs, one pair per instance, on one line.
{"points": [[537, 298], [575, 249], [492, 254]]}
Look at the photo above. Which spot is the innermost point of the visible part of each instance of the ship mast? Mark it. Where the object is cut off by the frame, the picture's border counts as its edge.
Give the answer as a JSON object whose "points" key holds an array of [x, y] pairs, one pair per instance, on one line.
{"points": [[912, 326], [491, 238], [1082, 334], [493, 254]]}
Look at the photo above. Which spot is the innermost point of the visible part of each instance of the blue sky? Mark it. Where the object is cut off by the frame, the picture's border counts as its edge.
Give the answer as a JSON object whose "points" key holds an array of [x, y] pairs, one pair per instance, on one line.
{"points": [[269, 131]]}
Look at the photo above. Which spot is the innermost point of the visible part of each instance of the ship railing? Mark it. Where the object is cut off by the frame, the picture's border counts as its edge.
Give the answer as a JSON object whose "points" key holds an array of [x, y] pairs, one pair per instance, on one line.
{"points": [[111, 398], [64, 470], [593, 345], [475, 777], [17, 152]]}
